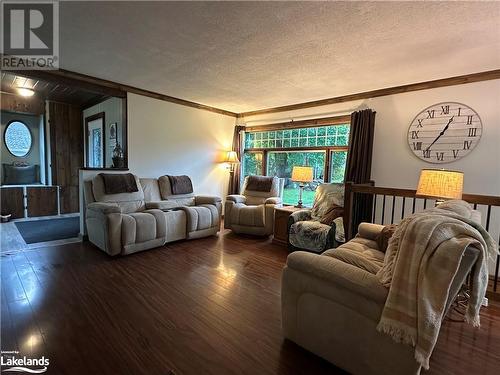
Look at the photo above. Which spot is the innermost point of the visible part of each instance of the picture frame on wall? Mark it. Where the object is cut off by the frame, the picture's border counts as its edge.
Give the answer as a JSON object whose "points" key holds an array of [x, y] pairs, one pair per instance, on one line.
{"points": [[113, 131]]}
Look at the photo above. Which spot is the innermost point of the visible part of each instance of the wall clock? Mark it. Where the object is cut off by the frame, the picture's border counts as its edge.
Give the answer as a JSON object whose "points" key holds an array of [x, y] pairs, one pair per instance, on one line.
{"points": [[444, 132]]}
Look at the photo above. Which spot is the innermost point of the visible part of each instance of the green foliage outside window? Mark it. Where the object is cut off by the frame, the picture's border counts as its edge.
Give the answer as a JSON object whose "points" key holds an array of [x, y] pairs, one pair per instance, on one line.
{"points": [[280, 163], [252, 163], [338, 163]]}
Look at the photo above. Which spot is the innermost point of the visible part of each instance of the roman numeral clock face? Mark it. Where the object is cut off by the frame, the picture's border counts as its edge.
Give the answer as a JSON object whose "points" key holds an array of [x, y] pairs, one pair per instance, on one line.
{"points": [[444, 132]]}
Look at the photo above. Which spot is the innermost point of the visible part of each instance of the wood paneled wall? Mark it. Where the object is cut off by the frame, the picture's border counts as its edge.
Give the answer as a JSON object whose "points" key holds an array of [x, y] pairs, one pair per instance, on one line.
{"points": [[66, 139], [19, 104]]}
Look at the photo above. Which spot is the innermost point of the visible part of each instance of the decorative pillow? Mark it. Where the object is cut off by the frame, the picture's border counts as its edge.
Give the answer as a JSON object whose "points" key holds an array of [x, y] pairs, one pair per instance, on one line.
{"points": [[384, 236], [119, 183], [260, 183], [180, 185], [332, 213]]}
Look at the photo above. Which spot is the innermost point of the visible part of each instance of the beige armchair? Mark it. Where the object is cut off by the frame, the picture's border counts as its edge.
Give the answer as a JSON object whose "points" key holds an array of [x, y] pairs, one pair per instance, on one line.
{"points": [[252, 212], [332, 307]]}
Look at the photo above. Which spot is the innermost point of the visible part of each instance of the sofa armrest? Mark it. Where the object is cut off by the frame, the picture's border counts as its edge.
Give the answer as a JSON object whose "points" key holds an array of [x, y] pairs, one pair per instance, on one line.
{"points": [[159, 205], [273, 200], [301, 215], [236, 198], [207, 199], [341, 274], [369, 231], [104, 208]]}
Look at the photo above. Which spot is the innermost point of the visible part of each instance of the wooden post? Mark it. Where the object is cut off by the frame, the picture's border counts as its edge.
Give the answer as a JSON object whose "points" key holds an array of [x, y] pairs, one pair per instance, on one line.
{"points": [[348, 211]]}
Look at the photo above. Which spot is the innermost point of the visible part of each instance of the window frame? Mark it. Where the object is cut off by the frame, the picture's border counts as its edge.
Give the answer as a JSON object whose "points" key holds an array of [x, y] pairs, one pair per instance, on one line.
{"points": [[314, 123], [5, 139]]}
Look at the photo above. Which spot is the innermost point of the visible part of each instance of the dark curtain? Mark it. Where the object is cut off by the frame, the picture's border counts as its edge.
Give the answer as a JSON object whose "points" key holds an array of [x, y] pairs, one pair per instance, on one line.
{"points": [[359, 163], [234, 178]]}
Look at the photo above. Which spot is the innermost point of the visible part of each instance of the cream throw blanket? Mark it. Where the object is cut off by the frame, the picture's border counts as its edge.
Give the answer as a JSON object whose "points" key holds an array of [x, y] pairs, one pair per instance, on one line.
{"points": [[421, 261]]}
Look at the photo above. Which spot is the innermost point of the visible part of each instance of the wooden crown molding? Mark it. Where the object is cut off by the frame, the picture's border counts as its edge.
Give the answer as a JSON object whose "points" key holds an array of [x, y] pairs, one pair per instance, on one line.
{"points": [[451, 81], [110, 88], [120, 90], [336, 120]]}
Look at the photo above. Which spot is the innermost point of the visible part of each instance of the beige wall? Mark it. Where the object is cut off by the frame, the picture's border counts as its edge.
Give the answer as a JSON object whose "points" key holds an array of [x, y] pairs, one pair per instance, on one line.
{"points": [[394, 165], [166, 138]]}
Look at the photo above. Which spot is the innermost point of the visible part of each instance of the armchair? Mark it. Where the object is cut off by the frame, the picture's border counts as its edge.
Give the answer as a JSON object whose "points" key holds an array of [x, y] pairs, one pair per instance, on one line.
{"points": [[252, 211], [306, 232], [331, 305]]}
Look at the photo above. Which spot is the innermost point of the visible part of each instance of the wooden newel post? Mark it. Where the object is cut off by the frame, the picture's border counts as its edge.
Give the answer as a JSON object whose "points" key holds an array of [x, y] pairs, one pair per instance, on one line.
{"points": [[348, 196]]}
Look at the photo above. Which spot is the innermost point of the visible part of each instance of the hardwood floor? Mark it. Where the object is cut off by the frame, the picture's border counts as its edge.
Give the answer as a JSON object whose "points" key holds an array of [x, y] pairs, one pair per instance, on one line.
{"points": [[207, 306]]}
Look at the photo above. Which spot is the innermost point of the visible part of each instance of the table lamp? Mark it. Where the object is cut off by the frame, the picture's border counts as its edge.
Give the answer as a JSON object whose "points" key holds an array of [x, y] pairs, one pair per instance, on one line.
{"points": [[301, 175], [440, 184]]}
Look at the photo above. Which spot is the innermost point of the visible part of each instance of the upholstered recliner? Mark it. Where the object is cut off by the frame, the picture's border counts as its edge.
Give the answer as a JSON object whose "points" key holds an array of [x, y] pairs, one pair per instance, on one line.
{"points": [[252, 212], [306, 232], [331, 305]]}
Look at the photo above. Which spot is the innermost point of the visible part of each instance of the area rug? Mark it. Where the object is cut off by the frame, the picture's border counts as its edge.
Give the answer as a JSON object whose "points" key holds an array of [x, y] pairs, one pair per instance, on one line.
{"points": [[49, 230]]}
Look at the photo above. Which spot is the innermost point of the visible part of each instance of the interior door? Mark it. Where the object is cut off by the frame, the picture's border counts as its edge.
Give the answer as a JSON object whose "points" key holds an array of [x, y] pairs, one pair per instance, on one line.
{"points": [[95, 143], [66, 150]]}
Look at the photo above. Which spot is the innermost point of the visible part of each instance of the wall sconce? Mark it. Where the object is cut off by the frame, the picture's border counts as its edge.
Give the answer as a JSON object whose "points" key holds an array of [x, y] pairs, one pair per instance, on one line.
{"points": [[231, 159]]}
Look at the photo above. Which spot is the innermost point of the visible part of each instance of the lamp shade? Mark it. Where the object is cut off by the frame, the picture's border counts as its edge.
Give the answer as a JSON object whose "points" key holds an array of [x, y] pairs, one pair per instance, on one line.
{"points": [[302, 174], [440, 184], [231, 157]]}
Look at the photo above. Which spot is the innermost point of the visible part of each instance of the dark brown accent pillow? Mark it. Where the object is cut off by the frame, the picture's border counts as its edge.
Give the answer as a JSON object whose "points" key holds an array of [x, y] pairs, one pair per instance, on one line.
{"points": [[180, 184], [260, 183], [384, 236], [119, 183], [330, 215]]}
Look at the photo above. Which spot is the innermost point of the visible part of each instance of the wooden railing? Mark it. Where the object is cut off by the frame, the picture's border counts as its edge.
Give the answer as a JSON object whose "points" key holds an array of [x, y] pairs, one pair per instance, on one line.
{"points": [[391, 205]]}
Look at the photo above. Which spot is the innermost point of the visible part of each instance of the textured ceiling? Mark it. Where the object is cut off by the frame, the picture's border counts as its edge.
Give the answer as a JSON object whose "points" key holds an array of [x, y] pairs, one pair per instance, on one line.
{"points": [[243, 56]]}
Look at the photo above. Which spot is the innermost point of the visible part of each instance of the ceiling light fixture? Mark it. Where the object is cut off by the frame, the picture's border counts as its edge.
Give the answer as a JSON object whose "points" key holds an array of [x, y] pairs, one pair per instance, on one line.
{"points": [[24, 91]]}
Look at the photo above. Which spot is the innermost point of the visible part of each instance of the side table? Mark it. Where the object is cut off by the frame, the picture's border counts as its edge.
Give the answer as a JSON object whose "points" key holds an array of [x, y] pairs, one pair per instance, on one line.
{"points": [[281, 215]]}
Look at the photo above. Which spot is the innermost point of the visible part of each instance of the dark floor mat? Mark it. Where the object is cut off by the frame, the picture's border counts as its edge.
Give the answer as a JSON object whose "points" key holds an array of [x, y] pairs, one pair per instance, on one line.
{"points": [[49, 230]]}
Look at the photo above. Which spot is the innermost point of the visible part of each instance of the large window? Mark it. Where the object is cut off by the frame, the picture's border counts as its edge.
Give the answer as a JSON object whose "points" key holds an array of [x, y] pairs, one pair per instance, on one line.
{"points": [[17, 138], [275, 152]]}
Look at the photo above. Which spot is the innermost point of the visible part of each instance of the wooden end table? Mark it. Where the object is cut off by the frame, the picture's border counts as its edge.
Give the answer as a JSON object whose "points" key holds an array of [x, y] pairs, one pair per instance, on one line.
{"points": [[281, 215]]}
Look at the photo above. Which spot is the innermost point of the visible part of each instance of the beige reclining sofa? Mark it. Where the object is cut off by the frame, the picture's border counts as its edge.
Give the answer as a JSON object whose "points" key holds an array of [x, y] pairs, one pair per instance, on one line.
{"points": [[129, 222]]}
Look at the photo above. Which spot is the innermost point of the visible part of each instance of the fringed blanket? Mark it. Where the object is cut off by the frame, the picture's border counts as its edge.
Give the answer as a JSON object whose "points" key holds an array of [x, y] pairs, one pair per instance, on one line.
{"points": [[421, 261]]}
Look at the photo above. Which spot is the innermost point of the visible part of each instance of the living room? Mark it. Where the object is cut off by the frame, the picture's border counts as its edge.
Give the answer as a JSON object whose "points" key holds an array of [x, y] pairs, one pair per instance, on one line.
{"points": [[197, 179]]}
